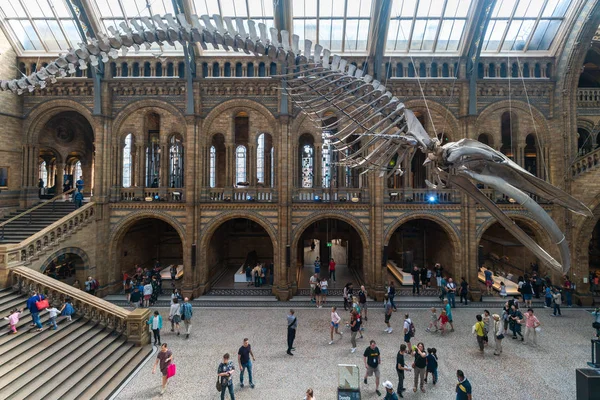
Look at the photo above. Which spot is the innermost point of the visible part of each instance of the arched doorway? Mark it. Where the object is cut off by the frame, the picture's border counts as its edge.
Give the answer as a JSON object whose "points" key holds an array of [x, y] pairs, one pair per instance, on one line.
{"points": [[145, 243], [236, 244], [422, 242], [67, 266], [500, 251], [330, 238]]}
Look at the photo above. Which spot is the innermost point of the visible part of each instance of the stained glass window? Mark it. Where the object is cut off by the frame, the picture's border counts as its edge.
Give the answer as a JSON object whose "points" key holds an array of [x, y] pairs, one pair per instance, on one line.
{"points": [[127, 160]]}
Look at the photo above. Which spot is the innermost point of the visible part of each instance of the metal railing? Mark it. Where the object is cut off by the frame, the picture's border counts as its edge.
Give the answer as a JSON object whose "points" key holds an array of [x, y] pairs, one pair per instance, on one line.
{"points": [[52, 201]]}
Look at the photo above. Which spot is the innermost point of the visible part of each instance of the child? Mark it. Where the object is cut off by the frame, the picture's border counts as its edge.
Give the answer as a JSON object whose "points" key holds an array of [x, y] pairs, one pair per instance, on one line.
{"points": [[52, 313], [67, 309], [443, 321], [434, 318], [432, 365], [13, 320], [502, 290]]}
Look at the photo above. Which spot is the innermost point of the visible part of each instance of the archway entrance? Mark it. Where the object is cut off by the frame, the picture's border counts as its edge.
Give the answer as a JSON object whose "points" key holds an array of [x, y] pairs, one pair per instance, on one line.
{"points": [[64, 267], [147, 243], [499, 250], [328, 239], [237, 244], [594, 259], [422, 242]]}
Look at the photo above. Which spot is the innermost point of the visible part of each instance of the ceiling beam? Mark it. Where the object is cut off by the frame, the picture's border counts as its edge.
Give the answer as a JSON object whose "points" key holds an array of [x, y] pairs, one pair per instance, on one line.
{"points": [[189, 55], [84, 16], [381, 11], [472, 50]]}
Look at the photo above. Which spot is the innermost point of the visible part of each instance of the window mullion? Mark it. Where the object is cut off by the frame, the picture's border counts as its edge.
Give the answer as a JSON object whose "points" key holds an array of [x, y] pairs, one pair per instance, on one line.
{"points": [[35, 29], [344, 23], [535, 25], [508, 25], [439, 28], [62, 28], [412, 28]]}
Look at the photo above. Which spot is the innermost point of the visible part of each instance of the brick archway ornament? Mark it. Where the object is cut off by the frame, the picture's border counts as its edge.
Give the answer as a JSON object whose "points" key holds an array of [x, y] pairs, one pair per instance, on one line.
{"points": [[316, 81]]}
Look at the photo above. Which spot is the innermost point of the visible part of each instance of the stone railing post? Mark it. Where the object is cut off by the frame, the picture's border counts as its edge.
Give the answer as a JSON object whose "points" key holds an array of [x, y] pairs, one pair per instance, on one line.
{"points": [[137, 330]]}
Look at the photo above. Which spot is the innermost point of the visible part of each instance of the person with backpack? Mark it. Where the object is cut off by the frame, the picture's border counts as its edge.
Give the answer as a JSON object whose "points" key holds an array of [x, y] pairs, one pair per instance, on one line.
{"points": [[186, 316], [479, 331], [225, 372], [409, 332]]}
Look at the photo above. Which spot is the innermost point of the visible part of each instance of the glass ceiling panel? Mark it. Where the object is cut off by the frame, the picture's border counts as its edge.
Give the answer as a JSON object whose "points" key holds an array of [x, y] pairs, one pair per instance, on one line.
{"points": [[428, 25], [524, 25], [339, 25], [40, 25]]}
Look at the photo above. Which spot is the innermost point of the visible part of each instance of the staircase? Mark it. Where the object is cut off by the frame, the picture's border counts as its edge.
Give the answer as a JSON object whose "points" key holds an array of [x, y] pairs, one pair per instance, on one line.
{"points": [[26, 225], [80, 360]]}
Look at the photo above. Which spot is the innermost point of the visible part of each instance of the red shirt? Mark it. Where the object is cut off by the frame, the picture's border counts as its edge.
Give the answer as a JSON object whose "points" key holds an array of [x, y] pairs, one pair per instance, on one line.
{"points": [[332, 265], [443, 318]]}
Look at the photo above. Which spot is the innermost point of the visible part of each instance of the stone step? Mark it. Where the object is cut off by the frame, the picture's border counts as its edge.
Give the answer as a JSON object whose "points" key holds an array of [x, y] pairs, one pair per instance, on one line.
{"points": [[102, 374], [40, 369], [65, 380]]}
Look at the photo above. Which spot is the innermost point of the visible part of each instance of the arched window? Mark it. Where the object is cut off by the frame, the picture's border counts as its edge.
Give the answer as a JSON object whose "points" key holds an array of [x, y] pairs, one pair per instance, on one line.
{"points": [[584, 141], [127, 161], [152, 123], [212, 167], [260, 159], [307, 166], [176, 162], [240, 164], [327, 168], [484, 138], [43, 173], [508, 130], [77, 172], [272, 166], [531, 154]]}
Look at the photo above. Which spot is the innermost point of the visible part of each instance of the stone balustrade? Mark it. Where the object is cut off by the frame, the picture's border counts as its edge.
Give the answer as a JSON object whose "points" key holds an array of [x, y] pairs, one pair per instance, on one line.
{"points": [[355, 195], [588, 97], [585, 163], [443, 196], [132, 324], [171, 195]]}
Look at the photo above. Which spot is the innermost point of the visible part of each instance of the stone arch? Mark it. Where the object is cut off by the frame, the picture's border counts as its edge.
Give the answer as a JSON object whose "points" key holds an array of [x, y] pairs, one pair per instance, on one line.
{"points": [[234, 107], [70, 250], [57, 154], [585, 124], [445, 223], [521, 110], [450, 124], [39, 116], [354, 222], [150, 104]]}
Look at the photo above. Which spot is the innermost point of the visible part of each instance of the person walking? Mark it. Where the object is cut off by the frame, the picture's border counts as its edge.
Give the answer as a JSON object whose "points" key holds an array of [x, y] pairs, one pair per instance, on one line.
{"points": [[443, 321], [548, 297], [164, 358], [432, 365], [147, 293], [400, 368], [391, 294], [464, 290], [354, 328], [67, 309], [372, 358], [332, 269], [463, 387], [155, 323], [292, 322], [33, 309], [13, 320], [388, 313], [451, 289], [442, 287], [186, 316], [433, 323], [498, 332], [317, 266], [362, 302], [557, 301], [489, 281], [527, 292], [487, 318], [52, 314], [175, 315], [407, 329], [335, 323], [479, 331], [448, 310], [438, 274], [416, 274], [389, 391], [347, 295], [324, 285], [244, 354], [420, 365], [78, 199], [532, 323], [313, 282], [310, 395], [515, 322], [568, 289], [225, 372]]}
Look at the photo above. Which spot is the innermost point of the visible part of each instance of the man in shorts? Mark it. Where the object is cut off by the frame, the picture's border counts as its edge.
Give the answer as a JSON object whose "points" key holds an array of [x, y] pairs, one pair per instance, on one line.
{"points": [[313, 281], [388, 313], [372, 358], [406, 330]]}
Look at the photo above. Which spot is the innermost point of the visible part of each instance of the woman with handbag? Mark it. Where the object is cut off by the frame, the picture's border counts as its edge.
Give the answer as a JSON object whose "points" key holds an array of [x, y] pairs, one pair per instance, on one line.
{"points": [[175, 315], [167, 368], [498, 333], [36, 303]]}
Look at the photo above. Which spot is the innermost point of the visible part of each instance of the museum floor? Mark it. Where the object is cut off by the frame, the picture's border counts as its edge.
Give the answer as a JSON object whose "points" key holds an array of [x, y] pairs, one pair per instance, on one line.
{"points": [[522, 372]]}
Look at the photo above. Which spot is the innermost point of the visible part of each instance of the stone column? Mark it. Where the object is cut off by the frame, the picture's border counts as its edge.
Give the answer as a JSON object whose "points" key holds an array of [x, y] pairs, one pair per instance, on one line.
{"points": [[141, 170], [284, 282], [468, 264]]}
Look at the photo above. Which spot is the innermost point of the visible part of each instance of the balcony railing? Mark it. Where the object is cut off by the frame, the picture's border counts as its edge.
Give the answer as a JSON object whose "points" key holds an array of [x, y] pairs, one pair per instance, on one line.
{"points": [[263, 195], [403, 195], [588, 98], [171, 195], [355, 195]]}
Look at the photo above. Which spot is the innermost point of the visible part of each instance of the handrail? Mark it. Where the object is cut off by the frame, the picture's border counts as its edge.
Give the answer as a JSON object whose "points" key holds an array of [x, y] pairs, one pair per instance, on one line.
{"points": [[36, 207], [129, 323]]}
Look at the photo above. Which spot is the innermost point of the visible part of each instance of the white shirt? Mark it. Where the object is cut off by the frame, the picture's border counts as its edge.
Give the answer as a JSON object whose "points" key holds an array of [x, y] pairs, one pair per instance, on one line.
{"points": [[313, 281], [335, 318], [52, 312], [324, 284], [147, 290], [175, 310], [407, 324], [155, 322]]}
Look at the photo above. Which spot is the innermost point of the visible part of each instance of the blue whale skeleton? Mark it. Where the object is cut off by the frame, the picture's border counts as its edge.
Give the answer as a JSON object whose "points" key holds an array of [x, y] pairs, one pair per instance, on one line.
{"points": [[375, 123]]}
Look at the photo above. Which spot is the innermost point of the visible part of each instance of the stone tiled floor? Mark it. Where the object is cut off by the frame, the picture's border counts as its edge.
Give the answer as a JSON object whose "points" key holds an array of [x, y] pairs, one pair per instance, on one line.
{"points": [[522, 372]]}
